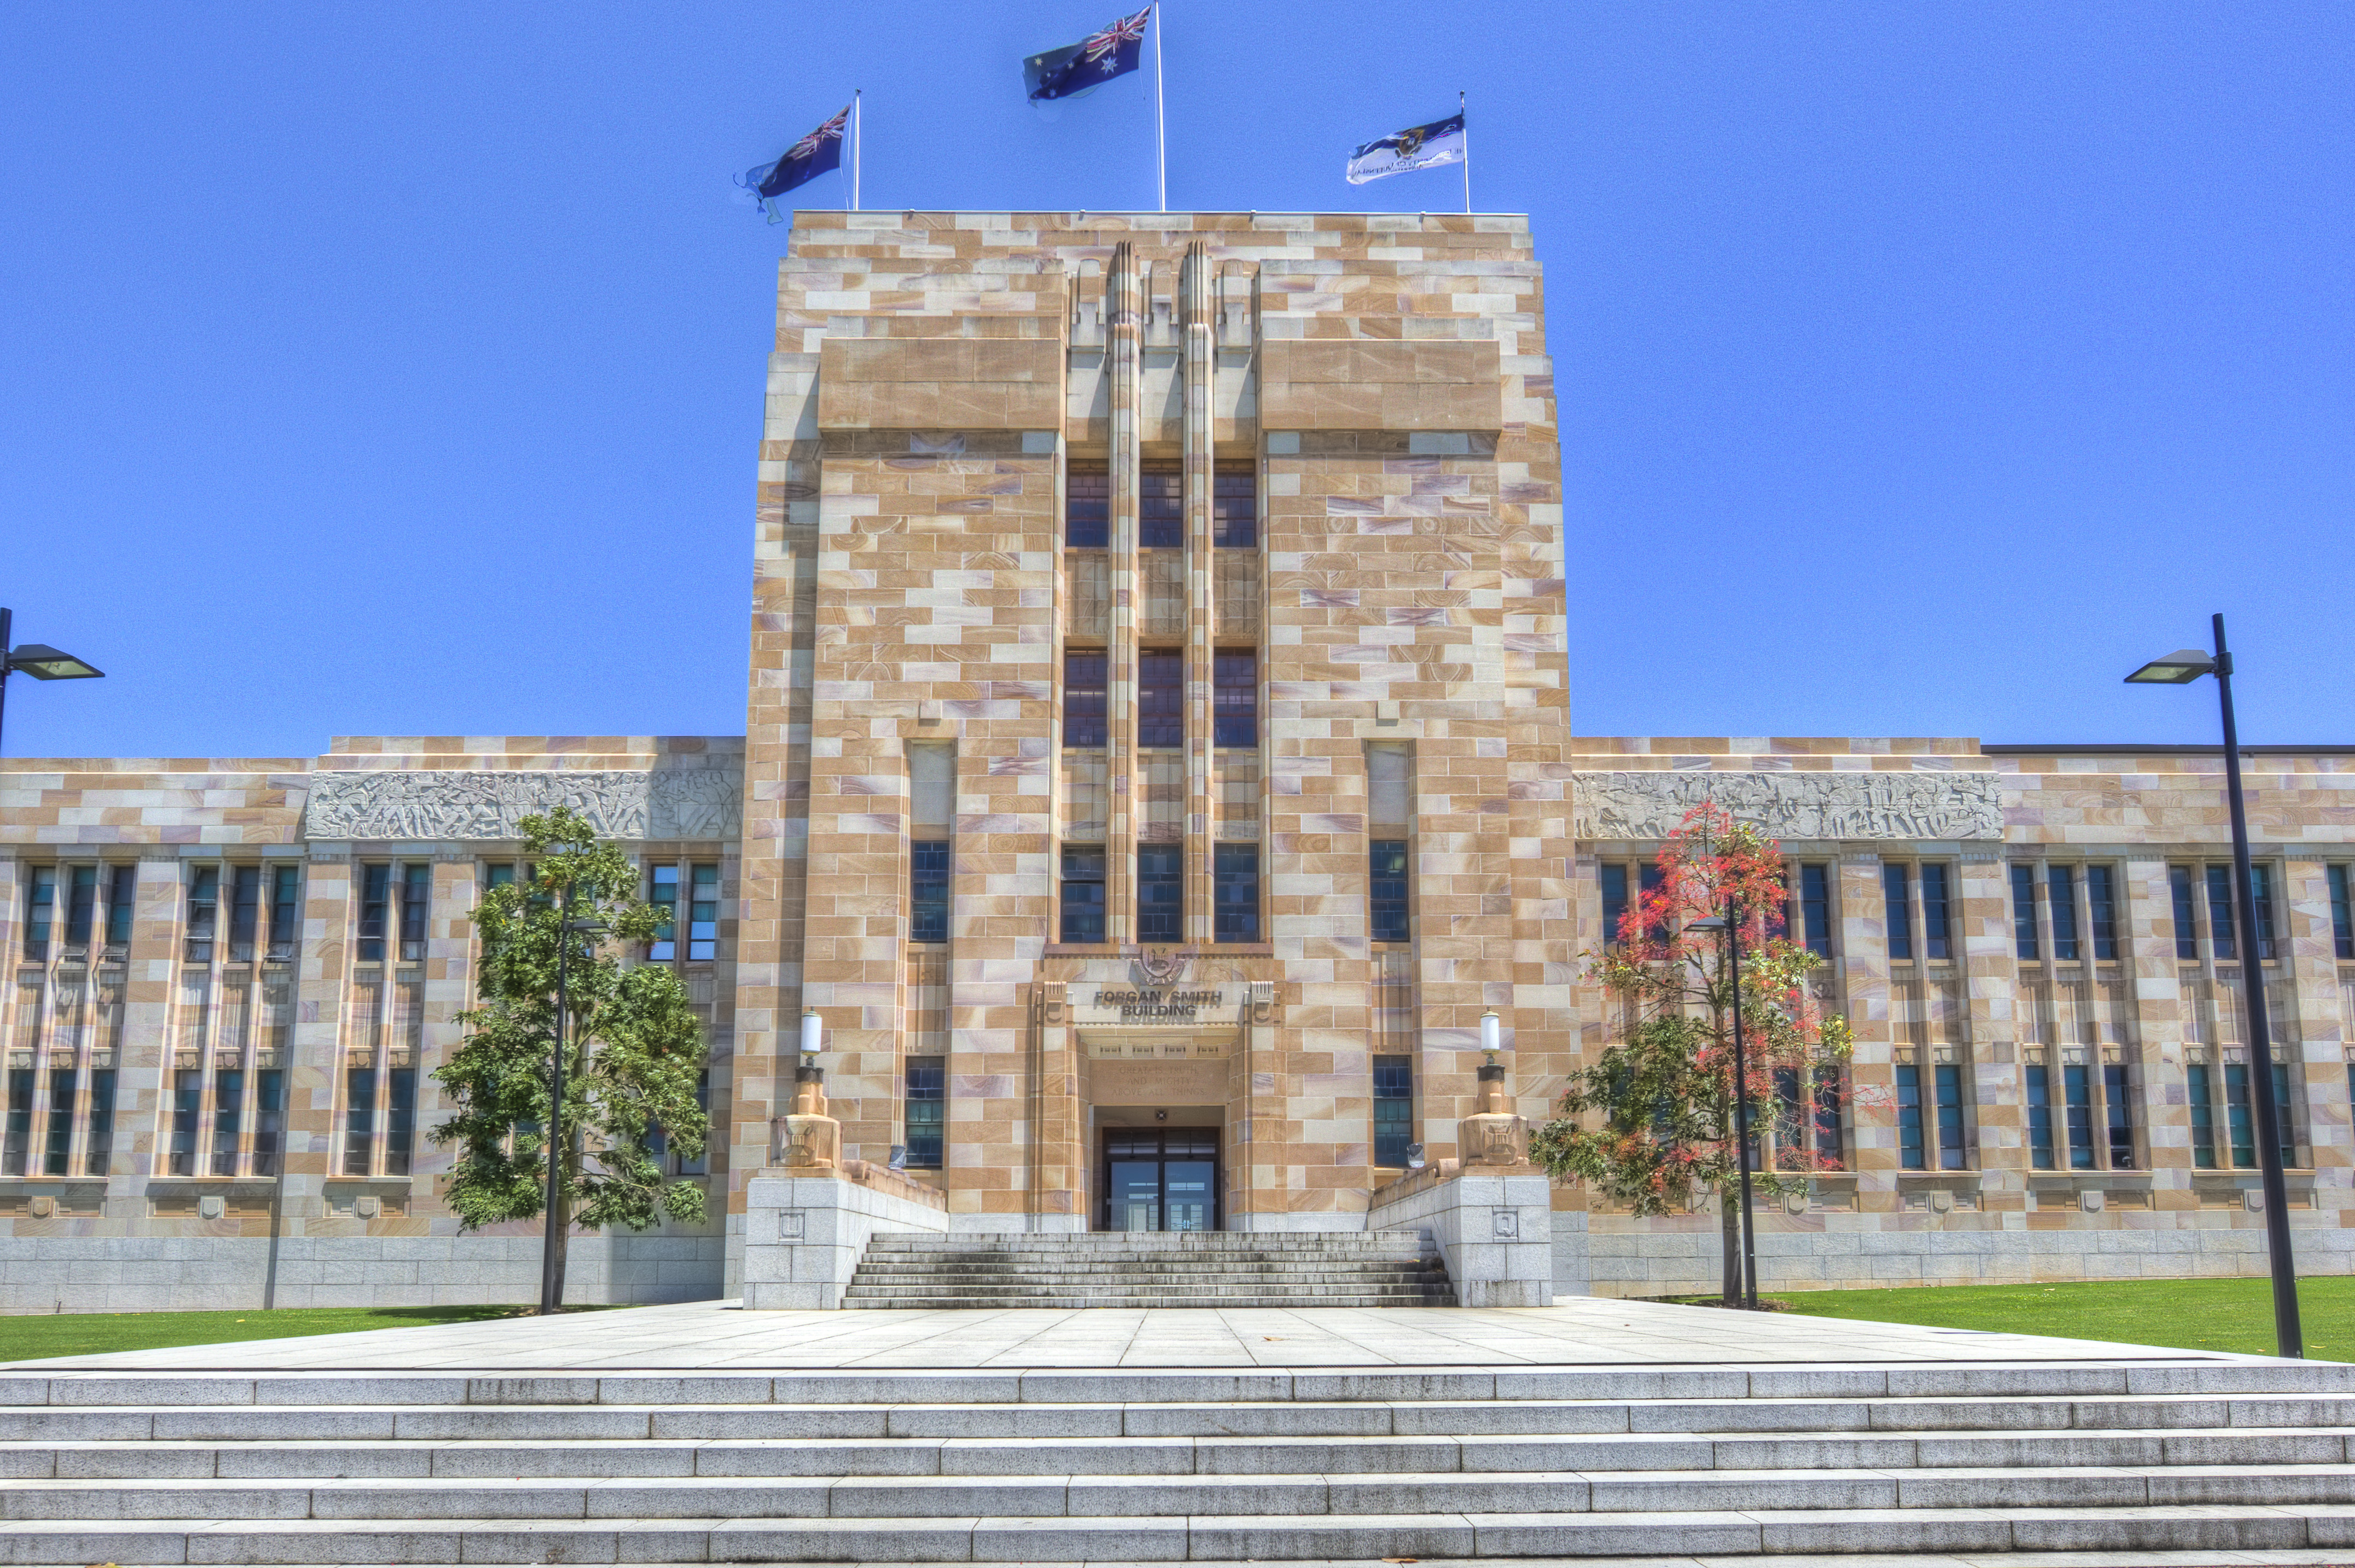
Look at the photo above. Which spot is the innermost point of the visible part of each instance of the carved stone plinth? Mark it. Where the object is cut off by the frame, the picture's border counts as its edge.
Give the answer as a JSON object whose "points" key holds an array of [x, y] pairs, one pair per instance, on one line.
{"points": [[1495, 1137], [805, 1139]]}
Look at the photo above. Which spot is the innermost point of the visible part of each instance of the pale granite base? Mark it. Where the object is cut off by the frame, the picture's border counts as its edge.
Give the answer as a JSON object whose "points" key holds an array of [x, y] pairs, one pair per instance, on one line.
{"points": [[1496, 1231], [803, 1235]]}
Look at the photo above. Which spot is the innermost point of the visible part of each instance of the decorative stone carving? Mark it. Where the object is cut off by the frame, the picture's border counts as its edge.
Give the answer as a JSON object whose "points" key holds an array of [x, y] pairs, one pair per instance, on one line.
{"points": [[422, 807], [1494, 1136], [1649, 805]]}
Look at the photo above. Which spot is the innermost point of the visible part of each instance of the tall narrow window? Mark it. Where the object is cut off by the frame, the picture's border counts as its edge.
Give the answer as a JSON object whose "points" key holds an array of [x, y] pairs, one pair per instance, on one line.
{"points": [[98, 1142], [1161, 698], [1899, 912], [2240, 1126], [1647, 882], [1160, 892], [1087, 506], [359, 1127], [401, 1118], [82, 904], [187, 1103], [1160, 509], [1614, 900], [19, 1139], [1937, 941], [664, 895], [1386, 885], [2282, 1118], [285, 912], [269, 1119], [2077, 1079], [1235, 880], [2039, 1116], [376, 910], [1084, 698], [928, 892], [2061, 891], [1911, 1153], [40, 911], [228, 1105], [1831, 1149], [1394, 1109], [1790, 1120], [1083, 892], [2342, 914], [59, 1143], [2118, 1107], [244, 912], [927, 1095], [2203, 1115], [2260, 887], [416, 902], [2221, 925], [702, 913], [1234, 712], [121, 904], [1816, 907], [1948, 1077], [2023, 912], [2102, 899], [204, 912], [2187, 927], [1234, 509]]}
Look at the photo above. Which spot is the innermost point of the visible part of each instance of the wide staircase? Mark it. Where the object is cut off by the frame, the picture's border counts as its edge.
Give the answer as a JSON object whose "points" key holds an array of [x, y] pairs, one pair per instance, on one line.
{"points": [[1151, 1268], [1068, 1465]]}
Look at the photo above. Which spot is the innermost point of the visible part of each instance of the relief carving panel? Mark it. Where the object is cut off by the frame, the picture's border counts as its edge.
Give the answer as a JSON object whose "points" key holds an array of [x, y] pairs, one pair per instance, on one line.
{"points": [[695, 802], [1649, 805]]}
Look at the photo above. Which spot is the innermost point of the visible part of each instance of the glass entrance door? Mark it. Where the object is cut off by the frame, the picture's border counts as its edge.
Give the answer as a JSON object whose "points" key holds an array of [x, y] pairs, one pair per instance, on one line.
{"points": [[1161, 1180]]}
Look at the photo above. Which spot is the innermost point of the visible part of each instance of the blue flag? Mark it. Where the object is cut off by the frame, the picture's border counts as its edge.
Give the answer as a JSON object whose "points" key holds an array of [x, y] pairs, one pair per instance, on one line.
{"points": [[1087, 65], [1417, 147], [813, 156]]}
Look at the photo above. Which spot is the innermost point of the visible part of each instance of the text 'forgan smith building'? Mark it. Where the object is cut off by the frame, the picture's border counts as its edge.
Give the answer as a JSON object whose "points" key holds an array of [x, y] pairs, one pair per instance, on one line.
{"points": [[1157, 757]]}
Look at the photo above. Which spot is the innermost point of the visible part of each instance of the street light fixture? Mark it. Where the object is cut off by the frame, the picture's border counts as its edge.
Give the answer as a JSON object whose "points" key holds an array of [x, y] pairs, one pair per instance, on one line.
{"points": [[551, 1249], [39, 660], [2183, 667], [1727, 923]]}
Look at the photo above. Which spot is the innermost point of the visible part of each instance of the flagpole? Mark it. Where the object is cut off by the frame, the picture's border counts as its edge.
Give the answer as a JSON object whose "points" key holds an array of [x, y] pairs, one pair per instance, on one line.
{"points": [[1160, 135], [1467, 153], [858, 142]]}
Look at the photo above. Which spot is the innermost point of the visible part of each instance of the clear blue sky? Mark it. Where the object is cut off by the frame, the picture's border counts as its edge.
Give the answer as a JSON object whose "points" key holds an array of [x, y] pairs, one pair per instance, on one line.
{"points": [[1922, 368]]}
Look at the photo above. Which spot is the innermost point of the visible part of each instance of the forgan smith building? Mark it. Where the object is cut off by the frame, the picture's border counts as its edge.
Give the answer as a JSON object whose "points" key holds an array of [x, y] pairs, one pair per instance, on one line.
{"points": [[1157, 756]]}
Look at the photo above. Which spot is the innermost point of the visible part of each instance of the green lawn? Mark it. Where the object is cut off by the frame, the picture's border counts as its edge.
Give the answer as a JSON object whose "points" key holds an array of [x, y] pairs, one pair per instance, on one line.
{"points": [[2194, 1314], [94, 1333]]}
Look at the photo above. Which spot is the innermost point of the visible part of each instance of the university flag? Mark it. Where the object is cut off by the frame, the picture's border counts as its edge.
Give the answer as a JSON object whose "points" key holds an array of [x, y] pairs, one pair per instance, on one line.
{"points": [[1418, 147], [814, 155], [1087, 65]]}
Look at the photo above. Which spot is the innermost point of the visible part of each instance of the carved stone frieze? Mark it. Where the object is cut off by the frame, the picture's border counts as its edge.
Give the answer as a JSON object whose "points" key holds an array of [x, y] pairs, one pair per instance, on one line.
{"points": [[425, 805], [1826, 806]]}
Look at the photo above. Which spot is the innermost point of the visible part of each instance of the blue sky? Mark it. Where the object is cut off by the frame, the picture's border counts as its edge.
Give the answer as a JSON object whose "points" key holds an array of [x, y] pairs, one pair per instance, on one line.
{"points": [[1922, 369]]}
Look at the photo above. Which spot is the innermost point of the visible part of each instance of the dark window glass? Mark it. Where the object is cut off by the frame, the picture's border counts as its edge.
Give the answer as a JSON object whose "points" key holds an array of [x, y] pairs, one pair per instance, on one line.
{"points": [[285, 912], [2261, 884], [359, 1127], [1387, 890], [401, 1119], [1647, 882], [1083, 892], [2282, 1118], [121, 904], [1235, 903], [928, 891], [663, 896], [1394, 1109], [927, 1095], [1816, 908], [269, 1119], [1084, 699], [59, 1142], [2102, 899], [1911, 1154], [229, 1117], [2221, 925], [1160, 892], [2342, 914], [2119, 1107], [2039, 1113], [1950, 1116], [1790, 1120], [2187, 927], [1831, 1152], [19, 1134], [188, 1101], [41, 911], [1161, 698], [2203, 1113], [1087, 508], [244, 912], [702, 913], [98, 1146], [1937, 930], [376, 907], [2240, 1126], [2023, 911], [1899, 912], [82, 904], [1614, 900], [1234, 703], [416, 902], [2061, 891], [1234, 509], [204, 913], [1160, 509], [2077, 1080]]}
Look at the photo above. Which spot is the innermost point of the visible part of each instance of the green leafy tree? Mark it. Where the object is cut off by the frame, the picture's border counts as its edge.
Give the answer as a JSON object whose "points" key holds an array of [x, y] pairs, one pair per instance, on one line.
{"points": [[1661, 1099], [632, 1055]]}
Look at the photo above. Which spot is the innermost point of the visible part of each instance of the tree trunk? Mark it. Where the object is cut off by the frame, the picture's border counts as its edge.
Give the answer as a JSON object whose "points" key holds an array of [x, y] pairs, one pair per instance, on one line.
{"points": [[563, 1240], [1730, 1209]]}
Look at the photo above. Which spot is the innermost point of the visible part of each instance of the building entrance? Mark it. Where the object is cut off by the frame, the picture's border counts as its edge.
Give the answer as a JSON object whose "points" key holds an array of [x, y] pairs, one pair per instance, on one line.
{"points": [[1159, 1178]]}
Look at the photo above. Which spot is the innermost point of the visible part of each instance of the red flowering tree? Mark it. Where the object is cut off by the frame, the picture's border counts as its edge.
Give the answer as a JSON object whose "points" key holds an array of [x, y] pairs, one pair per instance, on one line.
{"points": [[1651, 1122]]}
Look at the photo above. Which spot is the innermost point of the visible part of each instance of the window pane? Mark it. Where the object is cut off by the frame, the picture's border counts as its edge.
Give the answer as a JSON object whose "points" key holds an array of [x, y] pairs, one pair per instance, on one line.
{"points": [[1160, 511], [2187, 927], [98, 1141], [1087, 506], [2239, 1127], [82, 904], [244, 912], [359, 1128], [376, 903], [1235, 906], [2342, 914], [2261, 884], [188, 1090], [1647, 882], [2100, 897], [1394, 1109], [285, 912], [664, 895], [1790, 1122], [1386, 889], [1084, 699], [928, 892], [1936, 941], [2039, 1114], [1910, 1153], [2061, 891], [121, 905], [228, 1111], [1951, 1151], [416, 902], [204, 911], [2283, 1119], [41, 911], [401, 1119], [19, 1134], [1160, 892], [2203, 1115], [269, 1119], [1614, 900], [703, 913], [1234, 509], [1816, 908], [1084, 893], [59, 1142], [2221, 926], [1160, 700], [2078, 1081], [1831, 1152], [2119, 1108], [2023, 911], [1234, 711], [1897, 912], [928, 1085]]}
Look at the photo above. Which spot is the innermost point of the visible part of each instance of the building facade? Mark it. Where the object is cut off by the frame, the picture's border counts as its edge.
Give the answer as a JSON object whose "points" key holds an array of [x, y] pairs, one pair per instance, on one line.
{"points": [[1157, 759]]}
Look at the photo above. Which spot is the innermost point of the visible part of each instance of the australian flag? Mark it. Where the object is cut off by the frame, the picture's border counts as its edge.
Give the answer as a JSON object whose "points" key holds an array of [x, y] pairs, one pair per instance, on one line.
{"points": [[1090, 63], [806, 159]]}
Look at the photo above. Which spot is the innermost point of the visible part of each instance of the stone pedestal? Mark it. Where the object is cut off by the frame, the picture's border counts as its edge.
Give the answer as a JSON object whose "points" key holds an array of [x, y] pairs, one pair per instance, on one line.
{"points": [[805, 1138], [805, 1231]]}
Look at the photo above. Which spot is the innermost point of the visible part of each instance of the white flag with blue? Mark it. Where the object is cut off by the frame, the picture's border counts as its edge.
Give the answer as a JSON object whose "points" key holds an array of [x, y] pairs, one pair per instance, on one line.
{"points": [[1417, 147], [1080, 69], [819, 153]]}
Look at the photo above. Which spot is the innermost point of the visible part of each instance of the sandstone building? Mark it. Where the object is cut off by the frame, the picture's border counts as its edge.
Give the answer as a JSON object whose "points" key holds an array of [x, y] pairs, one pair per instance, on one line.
{"points": [[1157, 757]]}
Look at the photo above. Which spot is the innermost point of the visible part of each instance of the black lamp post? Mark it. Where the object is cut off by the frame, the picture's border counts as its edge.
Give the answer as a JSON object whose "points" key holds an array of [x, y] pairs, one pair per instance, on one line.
{"points": [[2181, 668], [551, 1251], [39, 660], [1730, 924]]}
